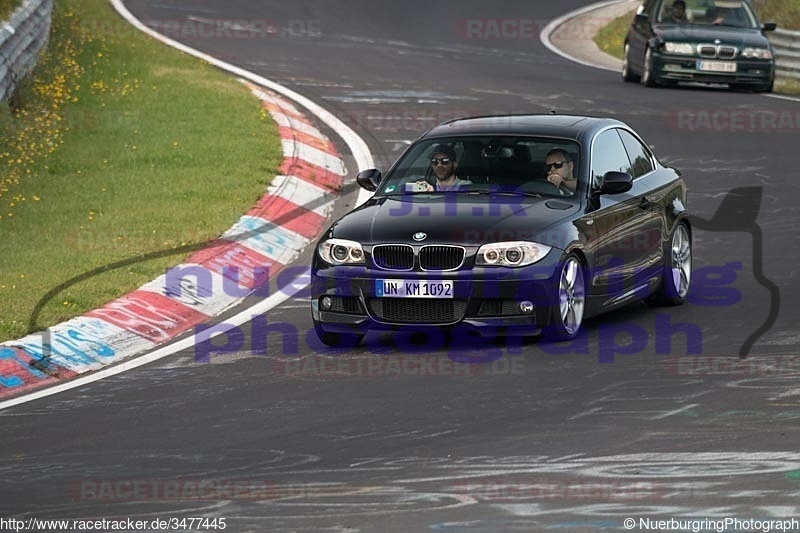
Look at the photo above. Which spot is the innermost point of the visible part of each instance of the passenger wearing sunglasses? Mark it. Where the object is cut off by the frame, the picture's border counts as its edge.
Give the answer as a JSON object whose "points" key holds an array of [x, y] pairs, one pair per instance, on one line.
{"points": [[559, 168], [443, 164]]}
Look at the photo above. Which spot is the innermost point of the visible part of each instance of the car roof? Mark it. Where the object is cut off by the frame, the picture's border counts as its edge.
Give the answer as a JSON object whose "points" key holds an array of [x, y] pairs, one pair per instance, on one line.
{"points": [[549, 125]]}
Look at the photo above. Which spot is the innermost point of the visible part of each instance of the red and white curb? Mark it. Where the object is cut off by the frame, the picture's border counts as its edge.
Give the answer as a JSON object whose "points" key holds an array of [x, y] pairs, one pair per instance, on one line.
{"points": [[266, 239]]}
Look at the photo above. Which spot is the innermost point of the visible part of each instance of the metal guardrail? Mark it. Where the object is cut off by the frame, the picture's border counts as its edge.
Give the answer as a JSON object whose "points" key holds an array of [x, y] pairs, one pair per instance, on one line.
{"points": [[22, 37], [787, 52]]}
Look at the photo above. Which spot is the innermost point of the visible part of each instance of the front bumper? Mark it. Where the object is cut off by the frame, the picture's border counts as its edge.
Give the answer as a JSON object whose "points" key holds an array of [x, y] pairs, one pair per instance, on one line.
{"points": [[750, 72], [484, 300]]}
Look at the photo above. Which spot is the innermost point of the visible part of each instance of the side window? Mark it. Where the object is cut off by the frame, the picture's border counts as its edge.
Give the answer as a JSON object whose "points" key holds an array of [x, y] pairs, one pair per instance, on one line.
{"points": [[608, 153], [639, 155]]}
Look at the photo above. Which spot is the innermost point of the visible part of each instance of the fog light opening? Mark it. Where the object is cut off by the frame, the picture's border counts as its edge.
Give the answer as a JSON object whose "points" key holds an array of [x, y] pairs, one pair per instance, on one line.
{"points": [[526, 307]]}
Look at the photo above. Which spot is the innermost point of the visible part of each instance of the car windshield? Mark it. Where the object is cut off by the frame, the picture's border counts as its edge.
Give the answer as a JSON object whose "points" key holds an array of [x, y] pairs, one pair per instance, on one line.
{"points": [[735, 13], [484, 164]]}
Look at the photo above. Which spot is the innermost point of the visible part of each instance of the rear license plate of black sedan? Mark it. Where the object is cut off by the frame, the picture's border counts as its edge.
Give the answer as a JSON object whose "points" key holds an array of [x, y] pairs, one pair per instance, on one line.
{"points": [[404, 288]]}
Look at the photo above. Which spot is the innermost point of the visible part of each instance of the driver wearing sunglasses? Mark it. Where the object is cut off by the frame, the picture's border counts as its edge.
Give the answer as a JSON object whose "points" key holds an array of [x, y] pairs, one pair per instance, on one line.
{"points": [[559, 168], [443, 164]]}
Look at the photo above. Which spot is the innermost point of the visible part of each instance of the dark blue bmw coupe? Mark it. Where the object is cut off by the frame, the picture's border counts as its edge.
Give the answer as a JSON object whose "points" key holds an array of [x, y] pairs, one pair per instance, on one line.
{"points": [[523, 224]]}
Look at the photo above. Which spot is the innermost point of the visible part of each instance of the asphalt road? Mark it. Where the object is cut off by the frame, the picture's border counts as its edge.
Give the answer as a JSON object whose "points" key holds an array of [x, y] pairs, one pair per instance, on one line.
{"points": [[389, 437]]}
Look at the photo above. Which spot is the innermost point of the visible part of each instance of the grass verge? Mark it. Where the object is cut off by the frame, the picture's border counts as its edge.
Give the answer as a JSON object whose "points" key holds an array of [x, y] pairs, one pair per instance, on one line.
{"points": [[121, 147], [611, 37], [785, 12], [7, 7]]}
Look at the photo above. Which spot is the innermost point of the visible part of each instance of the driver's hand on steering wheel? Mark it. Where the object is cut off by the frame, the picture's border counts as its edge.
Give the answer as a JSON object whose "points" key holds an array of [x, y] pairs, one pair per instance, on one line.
{"points": [[422, 186]]}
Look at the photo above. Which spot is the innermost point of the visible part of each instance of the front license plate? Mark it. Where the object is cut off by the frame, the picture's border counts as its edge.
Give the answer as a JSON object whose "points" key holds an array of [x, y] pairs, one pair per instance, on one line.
{"points": [[716, 66], [404, 288]]}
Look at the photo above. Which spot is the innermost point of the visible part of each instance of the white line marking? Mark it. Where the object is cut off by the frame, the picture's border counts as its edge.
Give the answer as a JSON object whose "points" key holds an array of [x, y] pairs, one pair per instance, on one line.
{"points": [[676, 411], [591, 411], [781, 97]]}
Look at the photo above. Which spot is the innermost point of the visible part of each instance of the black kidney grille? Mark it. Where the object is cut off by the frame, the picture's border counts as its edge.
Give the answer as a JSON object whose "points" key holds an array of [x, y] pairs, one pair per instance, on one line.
{"points": [[393, 256], [441, 257], [707, 50], [417, 310], [727, 52]]}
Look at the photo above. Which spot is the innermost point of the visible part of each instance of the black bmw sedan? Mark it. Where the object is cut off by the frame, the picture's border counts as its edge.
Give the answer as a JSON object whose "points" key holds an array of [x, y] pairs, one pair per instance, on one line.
{"points": [[707, 41], [523, 225]]}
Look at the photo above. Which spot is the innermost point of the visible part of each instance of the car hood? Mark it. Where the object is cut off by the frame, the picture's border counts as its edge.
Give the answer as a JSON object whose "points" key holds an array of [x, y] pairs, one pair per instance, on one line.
{"points": [[694, 33], [459, 219]]}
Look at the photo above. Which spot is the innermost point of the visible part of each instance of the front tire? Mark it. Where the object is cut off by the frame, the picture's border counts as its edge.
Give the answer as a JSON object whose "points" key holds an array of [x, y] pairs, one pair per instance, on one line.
{"points": [[570, 300], [627, 74], [648, 76], [677, 275]]}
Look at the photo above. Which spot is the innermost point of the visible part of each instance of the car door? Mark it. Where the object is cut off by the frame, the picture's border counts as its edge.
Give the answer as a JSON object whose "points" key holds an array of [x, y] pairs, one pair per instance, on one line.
{"points": [[652, 196], [614, 229]]}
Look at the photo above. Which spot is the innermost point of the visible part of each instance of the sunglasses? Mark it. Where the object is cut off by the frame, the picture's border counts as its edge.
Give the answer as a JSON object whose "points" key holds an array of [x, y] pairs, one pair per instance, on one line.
{"points": [[440, 161], [560, 164]]}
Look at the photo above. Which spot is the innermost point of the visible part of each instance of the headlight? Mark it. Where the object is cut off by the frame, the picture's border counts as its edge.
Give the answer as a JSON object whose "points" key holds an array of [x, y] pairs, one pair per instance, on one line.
{"points": [[341, 252], [510, 254], [757, 53], [685, 49]]}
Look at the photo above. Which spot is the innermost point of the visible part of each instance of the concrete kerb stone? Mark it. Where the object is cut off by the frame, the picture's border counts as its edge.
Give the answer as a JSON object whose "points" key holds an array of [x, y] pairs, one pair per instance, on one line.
{"points": [[155, 313]]}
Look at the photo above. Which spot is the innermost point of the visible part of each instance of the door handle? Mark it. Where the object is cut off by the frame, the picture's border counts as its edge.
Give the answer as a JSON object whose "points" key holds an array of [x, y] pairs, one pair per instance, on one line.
{"points": [[645, 203]]}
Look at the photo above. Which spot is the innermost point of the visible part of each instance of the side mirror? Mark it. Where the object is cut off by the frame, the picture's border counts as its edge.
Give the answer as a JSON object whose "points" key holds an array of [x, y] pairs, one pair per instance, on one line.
{"points": [[641, 18], [769, 26], [369, 179], [615, 182]]}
